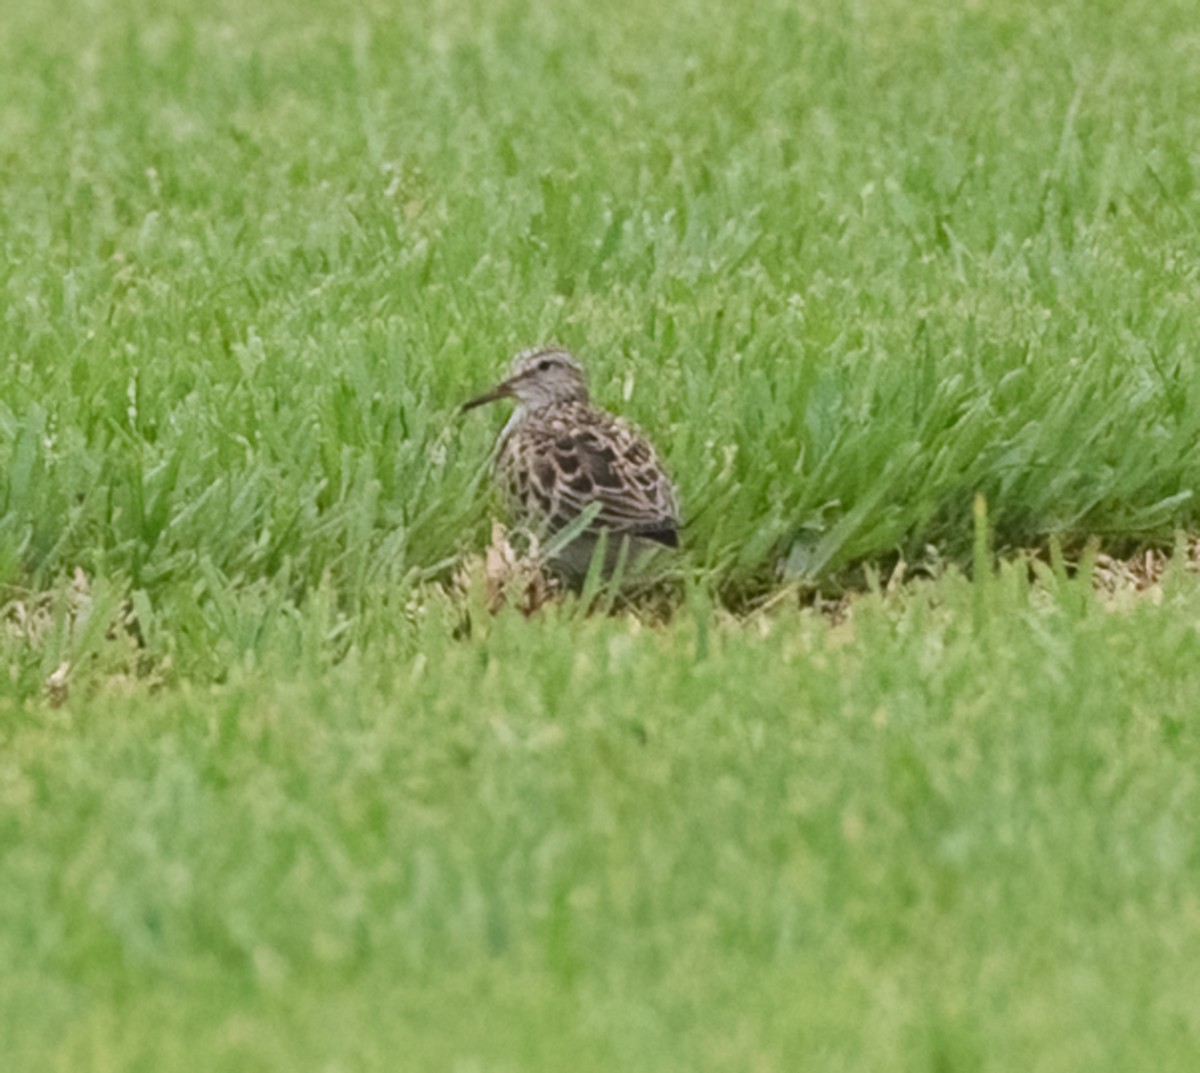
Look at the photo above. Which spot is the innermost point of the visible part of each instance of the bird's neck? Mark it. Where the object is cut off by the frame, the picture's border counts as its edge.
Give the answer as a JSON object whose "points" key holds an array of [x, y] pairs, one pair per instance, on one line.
{"points": [[525, 411], [514, 419]]}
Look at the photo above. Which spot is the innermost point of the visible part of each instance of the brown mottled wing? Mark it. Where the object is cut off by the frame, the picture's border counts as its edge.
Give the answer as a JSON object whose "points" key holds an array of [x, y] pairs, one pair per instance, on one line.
{"points": [[588, 457]]}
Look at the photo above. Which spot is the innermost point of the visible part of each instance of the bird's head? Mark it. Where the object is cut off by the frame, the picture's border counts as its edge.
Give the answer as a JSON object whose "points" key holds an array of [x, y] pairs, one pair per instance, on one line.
{"points": [[539, 377]]}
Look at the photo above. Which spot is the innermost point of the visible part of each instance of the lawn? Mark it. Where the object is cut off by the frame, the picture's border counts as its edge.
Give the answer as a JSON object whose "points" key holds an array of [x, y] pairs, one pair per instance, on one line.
{"points": [[276, 793]]}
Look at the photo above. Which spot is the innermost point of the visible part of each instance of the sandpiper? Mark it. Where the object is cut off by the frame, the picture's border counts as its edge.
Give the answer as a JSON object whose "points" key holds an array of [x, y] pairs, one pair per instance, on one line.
{"points": [[560, 459]]}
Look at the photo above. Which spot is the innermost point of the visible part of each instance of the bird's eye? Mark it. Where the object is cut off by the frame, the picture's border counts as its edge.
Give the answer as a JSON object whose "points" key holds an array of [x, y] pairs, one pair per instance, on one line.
{"points": [[543, 366]]}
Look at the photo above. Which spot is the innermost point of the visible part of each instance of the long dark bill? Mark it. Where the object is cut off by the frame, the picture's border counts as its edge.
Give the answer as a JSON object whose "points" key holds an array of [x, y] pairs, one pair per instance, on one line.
{"points": [[500, 391]]}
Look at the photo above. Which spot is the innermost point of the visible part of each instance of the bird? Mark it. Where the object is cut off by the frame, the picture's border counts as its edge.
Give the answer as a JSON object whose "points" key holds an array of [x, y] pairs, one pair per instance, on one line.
{"points": [[562, 460]]}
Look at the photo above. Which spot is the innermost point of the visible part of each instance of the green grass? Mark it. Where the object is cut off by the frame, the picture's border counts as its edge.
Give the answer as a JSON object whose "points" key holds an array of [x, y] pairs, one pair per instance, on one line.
{"points": [[955, 834], [850, 268], [850, 265]]}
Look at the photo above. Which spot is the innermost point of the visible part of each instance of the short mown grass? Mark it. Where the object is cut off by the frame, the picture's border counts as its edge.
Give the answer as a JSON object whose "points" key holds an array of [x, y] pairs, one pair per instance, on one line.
{"points": [[849, 268], [955, 832], [275, 794]]}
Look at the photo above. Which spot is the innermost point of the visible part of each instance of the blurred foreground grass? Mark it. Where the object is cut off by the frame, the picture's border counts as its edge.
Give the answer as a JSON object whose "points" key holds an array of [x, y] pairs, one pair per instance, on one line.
{"points": [[955, 832]]}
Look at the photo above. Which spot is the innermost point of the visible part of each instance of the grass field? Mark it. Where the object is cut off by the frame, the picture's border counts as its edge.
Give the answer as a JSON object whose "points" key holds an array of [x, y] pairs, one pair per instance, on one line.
{"points": [[294, 802]]}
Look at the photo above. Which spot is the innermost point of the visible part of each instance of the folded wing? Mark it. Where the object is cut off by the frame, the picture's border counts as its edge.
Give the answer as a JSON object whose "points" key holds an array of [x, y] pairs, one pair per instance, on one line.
{"points": [[608, 463]]}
